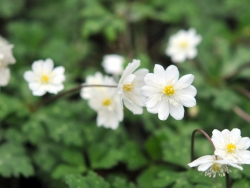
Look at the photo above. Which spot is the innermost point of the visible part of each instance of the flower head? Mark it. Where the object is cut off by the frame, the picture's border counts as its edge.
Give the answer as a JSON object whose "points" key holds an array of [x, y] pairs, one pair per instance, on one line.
{"points": [[113, 64], [108, 105], [211, 166], [43, 78], [183, 45], [231, 146], [6, 58], [130, 87], [167, 94]]}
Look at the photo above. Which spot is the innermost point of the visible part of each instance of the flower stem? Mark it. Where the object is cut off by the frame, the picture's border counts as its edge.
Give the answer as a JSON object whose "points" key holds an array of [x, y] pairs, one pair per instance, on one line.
{"points": [[192, 141], [53, 98]]}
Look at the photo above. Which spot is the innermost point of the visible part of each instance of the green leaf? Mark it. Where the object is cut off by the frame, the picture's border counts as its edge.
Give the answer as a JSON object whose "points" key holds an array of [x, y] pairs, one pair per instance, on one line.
{"points": [[14, 161], [133, 156], [122, 183], [92, 180]]}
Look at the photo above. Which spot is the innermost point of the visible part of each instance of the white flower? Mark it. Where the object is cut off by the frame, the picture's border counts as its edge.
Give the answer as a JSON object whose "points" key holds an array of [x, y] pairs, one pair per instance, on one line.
{"points": [[230, 145], [183, 45], [97, 79], [6, 58], [167, 94], [113, 64], [43, 78], [130, 87], [4, 76], [107, 104], [211, 165]]}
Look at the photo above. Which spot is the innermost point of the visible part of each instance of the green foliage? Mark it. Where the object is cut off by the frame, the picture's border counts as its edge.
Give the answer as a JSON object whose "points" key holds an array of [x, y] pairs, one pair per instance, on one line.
{"points": [[56, 140], [91, 180]]}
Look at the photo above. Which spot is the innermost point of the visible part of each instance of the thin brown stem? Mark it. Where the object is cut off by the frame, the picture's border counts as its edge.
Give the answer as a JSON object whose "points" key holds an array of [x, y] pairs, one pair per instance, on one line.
{"points": [[241, 113], [192, 141], [53, 98]]}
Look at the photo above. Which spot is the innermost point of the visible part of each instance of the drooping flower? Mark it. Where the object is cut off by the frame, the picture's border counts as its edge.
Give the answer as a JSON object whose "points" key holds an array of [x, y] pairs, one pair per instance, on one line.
{"points": [[211, 166], [43, 78], [6, 58], [113, 64], [182, 45], [107, 104], [130, 87], [167, 94], [231, 146], [97, 79]]}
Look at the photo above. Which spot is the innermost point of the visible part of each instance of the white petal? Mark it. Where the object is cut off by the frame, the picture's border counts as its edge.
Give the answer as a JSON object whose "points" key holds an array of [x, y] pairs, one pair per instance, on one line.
{"points": [[4, 76], [191, 90], [179, 57], [148, 91], [187, 100], [132, 107], [185, 81], [48, 65], [202, 160], [37, 66], [204, 167], [163, 110], [192, 53], [177, 112], [172, 73], [159, 72], [29, 76], [151, 80]]}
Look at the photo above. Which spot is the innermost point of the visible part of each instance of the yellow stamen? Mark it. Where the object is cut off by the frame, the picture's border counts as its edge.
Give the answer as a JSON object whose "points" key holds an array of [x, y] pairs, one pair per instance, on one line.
{"points": [[183, 44], [216, 167], [168, 90], [231, 148], [128, 87], [45, 79], [106, 102]]}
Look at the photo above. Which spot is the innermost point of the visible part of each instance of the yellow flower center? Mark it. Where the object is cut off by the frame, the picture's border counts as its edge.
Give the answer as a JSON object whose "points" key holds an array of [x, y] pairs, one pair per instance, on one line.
{"points": [[216, 167], [168, 90], [128, 87], [45, 79], [106, 102], [183, 44], [231, 148]]}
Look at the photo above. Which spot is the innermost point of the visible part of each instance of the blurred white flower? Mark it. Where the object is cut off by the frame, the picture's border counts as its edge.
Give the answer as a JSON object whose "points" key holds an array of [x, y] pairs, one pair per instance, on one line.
{"points": [[107, 104], [130, 87], [6, 58], [113, 64], [167, 94], [212, 166], [97, 79], [182, 45], [231, 146], [4, 76], [43, 78]]}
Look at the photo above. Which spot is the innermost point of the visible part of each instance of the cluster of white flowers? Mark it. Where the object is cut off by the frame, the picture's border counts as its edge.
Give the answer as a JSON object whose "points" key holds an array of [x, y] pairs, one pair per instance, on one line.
{"points": [[230, 150], [182, 45], [6, 58], [162, 92]]}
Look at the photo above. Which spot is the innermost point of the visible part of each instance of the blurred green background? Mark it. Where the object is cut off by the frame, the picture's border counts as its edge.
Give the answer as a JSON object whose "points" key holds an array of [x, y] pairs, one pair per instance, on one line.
{"points": [[58, 145]]}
